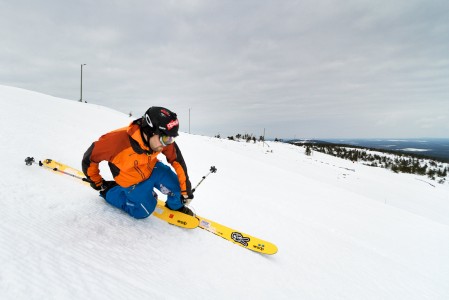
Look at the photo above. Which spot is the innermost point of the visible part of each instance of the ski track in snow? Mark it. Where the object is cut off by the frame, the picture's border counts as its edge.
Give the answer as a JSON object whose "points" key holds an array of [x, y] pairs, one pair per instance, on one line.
{"points": [[344, 230]]}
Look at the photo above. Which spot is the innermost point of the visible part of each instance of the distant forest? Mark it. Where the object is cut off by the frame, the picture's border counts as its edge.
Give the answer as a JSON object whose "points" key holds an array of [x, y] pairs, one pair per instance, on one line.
{"points": [[398, 162]]}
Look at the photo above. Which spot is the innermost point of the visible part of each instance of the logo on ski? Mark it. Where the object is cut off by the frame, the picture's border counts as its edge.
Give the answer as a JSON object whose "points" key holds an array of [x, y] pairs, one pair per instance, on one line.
{"points": [[259, 247], [205, 224], [239, 238]]}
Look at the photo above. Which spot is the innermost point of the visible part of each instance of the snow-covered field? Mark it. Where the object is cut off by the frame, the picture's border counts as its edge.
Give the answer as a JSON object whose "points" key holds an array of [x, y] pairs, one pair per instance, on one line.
{"points": [[344, 230]]}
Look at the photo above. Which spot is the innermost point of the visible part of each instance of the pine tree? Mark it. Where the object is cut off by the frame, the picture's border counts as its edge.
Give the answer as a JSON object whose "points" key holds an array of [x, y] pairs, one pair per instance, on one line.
{"points": [[308, 151]]}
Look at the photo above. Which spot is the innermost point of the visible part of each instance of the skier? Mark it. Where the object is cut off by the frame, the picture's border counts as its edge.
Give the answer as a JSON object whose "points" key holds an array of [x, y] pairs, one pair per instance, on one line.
{"points": [[131, 153]]}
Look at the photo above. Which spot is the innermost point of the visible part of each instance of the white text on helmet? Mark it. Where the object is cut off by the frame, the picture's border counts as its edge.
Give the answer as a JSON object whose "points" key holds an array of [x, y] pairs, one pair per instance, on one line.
{"points": [[172, 124]]}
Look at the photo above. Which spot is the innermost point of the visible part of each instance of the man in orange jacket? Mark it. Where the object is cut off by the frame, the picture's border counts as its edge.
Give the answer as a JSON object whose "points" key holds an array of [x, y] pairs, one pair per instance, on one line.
{"points": [[131, 153]]}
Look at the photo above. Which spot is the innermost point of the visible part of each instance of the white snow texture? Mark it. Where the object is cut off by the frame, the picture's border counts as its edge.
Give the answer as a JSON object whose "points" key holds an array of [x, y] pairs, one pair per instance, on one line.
{"points": [[344, 230]]}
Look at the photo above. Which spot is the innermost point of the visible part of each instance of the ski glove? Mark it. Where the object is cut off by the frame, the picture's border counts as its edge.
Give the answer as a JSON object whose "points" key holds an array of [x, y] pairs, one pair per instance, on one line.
{"points": [[97, 187], [186, 199], [104, 186]]}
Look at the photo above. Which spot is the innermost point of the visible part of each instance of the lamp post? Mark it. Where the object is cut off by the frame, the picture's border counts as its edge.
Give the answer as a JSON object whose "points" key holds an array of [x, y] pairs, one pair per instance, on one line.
{"points": [[81, 95]]}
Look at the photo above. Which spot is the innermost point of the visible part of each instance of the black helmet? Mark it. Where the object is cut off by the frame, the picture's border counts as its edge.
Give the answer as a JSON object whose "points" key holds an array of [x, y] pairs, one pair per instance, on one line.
{"points": [[160, 120]]}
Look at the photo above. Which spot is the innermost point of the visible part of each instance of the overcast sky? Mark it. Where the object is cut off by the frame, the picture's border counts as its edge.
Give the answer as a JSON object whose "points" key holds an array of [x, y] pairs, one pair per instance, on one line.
{"points": [[304, 69]]}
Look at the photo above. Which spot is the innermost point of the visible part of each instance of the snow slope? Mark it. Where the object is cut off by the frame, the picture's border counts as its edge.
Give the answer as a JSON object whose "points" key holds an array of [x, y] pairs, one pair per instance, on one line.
{"points": [[344, 230]]}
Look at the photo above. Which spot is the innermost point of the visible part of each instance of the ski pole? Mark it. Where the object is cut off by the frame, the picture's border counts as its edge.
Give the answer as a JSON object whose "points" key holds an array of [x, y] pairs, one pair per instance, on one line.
{"points": [[30, 161], [189, 200], [212, 170]]}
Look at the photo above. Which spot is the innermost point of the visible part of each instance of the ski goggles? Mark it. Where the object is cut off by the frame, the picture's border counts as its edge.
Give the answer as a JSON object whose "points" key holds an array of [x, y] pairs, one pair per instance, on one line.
{"points": [[166, 140]]}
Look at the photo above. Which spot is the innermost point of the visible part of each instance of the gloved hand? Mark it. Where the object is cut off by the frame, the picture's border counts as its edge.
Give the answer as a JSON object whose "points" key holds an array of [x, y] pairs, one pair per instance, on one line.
{"points": [[186, 199], [104, 187], [95, 186]]}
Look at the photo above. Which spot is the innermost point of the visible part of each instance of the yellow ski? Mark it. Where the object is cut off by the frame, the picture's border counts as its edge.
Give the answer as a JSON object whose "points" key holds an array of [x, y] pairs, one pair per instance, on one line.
{"points": [[174, 217], [64, 169], [237, 237]]}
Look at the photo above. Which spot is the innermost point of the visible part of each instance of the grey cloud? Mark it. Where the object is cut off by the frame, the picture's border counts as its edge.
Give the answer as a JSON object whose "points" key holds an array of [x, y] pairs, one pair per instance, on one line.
{"points": [[312, 68]]}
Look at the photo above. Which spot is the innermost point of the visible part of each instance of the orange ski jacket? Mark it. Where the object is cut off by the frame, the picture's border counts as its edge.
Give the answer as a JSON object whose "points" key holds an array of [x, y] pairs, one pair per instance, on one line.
{"points": [[130, 159]]}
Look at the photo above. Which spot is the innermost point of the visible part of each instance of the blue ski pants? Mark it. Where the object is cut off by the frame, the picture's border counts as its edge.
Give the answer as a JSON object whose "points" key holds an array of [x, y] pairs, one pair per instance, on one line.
{"points": [[139, 201]]}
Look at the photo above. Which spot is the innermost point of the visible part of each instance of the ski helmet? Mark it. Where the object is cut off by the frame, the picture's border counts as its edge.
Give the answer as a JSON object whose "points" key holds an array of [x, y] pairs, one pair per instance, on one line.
{"points": [[158, 120]]}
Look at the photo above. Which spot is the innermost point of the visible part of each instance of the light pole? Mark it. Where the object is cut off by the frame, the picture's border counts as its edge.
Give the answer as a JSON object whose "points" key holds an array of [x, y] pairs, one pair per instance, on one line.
{"points": [[81, 96], [189, 120]]}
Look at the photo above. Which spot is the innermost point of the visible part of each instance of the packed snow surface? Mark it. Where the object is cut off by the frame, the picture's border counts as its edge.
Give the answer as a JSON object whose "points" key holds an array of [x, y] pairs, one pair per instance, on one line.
{"points": [[344, 230]]}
